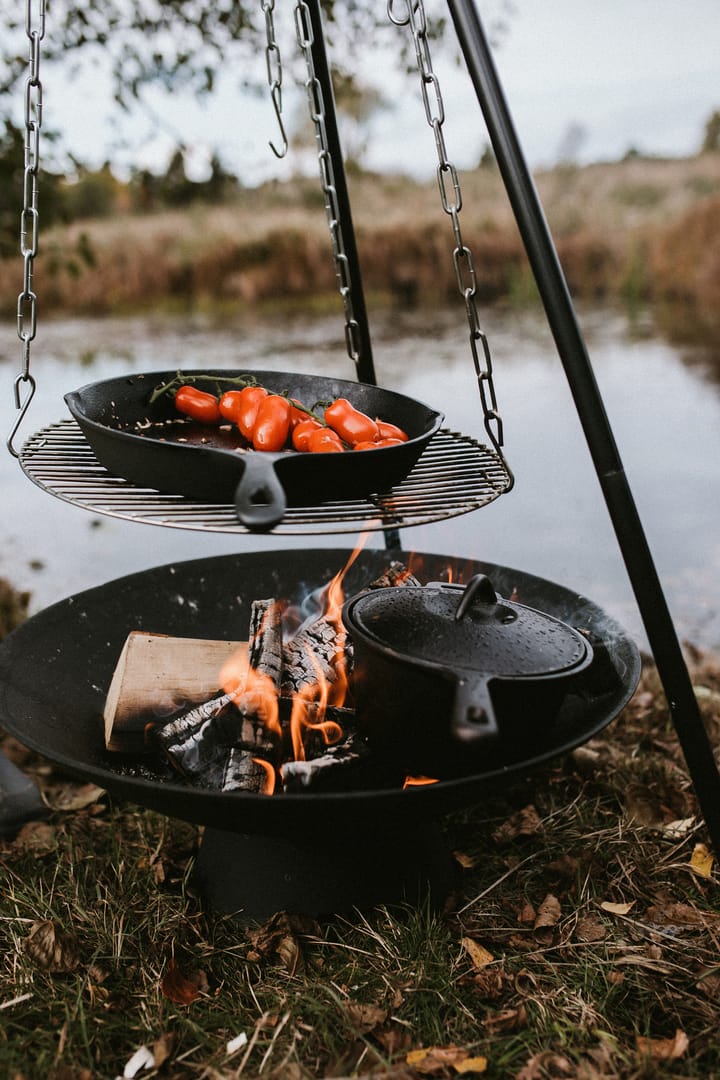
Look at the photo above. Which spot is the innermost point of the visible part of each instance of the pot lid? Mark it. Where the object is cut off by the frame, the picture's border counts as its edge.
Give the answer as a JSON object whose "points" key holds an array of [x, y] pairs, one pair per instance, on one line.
{"points": [[467, 628]]}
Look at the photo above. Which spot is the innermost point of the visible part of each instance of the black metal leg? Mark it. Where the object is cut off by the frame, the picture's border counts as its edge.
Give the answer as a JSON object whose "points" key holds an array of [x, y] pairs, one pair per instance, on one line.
{"points": [[365, 368], [601, 443]]}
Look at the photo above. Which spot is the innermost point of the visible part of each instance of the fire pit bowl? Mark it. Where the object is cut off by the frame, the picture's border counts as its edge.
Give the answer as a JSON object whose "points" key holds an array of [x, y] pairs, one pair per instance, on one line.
{"points": [[56, 668]]}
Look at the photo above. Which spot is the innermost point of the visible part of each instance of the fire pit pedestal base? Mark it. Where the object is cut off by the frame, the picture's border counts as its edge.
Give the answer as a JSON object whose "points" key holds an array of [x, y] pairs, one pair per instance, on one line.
{"points": [[256, 876]]}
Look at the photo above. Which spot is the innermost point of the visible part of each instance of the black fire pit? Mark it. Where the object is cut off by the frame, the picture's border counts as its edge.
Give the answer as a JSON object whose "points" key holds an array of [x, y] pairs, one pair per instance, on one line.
{"points": [[314, 852]]}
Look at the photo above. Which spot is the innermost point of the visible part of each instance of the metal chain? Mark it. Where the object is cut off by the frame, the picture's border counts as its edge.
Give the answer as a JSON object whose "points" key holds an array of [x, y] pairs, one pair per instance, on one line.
{"points": [[27, 300], [304, 30], [274, 72], [451, 196]]}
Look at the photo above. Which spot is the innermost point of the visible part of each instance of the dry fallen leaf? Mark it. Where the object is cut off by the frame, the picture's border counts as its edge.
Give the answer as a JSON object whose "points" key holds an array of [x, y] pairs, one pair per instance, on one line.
{"points": [[544, 1065], [479, 955], [466, 861], [435, 1060], [679, 914], [702, 861], [547, 918], [525, 822], [664, 1049], [364, 1018], [589, 928], [278, 939], [51, 948], [181, 989], [70, 797], [36, 836], [506, 1020], [617, 909]]}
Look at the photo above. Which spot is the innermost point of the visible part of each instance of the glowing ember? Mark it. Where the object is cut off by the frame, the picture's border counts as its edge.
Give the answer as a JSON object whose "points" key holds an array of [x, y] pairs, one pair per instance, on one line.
{"points": [[418, 781]]}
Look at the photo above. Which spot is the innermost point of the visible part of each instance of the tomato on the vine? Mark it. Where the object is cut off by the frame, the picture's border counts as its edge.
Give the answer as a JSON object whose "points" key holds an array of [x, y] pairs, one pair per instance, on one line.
{"points": [[350, 424], [302, 432], [325, 441], [249, 399], [272, 423], [229, 404], [197, 404], [386, 430]]}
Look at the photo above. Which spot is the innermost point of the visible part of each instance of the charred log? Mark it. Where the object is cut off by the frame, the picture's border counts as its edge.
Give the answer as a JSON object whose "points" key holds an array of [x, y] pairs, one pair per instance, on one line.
{"points": [[243, 772], [347, 766]]}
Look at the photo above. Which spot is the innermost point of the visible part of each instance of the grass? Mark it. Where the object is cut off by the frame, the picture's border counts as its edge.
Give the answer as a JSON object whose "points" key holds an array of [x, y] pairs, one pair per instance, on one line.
{"points": [[107, 947], [642, 224]]}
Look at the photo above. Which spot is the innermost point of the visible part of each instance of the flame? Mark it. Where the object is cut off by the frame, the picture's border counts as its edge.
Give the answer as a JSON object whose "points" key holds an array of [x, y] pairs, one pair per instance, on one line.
{"points": [[269, 785], [418, 781], [252, 690]]}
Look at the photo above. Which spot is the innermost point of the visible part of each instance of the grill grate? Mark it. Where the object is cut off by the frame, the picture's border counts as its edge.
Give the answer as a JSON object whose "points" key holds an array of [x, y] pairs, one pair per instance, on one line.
{"points": [[455, 475]]}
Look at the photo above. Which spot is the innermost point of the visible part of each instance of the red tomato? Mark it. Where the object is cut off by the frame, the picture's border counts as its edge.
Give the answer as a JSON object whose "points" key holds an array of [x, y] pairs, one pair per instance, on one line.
{"points": [[272, 424], [325, 441], [386, 430], [197, 404], [377, 444], [247, 409], [302, 432], [298, 413], [229, 404], [351, 425]]}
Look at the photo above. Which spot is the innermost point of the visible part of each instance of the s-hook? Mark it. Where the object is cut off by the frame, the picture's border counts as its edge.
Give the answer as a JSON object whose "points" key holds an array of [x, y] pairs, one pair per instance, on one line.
{"points": [[274, 74]]}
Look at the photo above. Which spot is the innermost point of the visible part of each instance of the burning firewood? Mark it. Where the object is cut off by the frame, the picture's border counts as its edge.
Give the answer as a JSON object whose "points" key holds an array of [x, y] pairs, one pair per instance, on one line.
{"points": [[340, 768], [277, 711]]}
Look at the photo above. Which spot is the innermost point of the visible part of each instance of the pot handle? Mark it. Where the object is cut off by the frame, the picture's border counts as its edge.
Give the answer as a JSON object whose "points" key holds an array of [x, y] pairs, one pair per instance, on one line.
{"points": [[479, 587], [473, 718], [260, 500]]}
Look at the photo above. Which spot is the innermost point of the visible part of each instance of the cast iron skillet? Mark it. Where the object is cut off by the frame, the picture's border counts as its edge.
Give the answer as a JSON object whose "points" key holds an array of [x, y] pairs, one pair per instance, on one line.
{"points": [[134, 440]]}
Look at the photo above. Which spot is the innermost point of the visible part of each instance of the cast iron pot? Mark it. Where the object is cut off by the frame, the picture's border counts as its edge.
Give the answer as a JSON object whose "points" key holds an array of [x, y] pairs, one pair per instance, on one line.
{"points": [[444, 672], [134, 440]]}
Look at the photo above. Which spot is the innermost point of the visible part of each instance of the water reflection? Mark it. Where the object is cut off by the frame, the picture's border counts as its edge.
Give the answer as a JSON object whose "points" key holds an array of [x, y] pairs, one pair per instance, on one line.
{"points": [[663, 403]]}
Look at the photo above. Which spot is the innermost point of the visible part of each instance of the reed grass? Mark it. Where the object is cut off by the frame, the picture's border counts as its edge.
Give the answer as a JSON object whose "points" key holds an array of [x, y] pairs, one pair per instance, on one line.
{"points": [[639, 229]]}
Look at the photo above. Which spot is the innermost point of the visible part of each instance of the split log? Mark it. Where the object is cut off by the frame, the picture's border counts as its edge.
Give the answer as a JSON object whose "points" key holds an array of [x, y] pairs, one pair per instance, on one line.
{"points": [[156, 676]]}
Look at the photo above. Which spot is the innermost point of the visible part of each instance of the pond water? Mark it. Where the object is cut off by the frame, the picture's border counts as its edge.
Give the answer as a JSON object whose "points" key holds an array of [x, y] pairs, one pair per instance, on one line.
{"points": [[663, 404]]}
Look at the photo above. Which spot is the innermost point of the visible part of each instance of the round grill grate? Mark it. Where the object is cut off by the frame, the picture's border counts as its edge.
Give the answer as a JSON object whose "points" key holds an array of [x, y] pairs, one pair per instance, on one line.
{"points": [[455, 475]]}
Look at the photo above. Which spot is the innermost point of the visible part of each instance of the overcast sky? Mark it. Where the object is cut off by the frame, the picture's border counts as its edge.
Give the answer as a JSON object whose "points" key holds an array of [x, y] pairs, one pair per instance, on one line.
{"points": [[623, 73]]}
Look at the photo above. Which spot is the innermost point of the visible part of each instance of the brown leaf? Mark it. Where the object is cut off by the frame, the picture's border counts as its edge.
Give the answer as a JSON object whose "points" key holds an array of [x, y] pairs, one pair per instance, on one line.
{"points": [[490, 983], [52, 949], [526, 912], [617, 909], [589, 928], [664, 1049], [547, 918], [364, 1018], [36, 836], [702, 861], [525, 822], [479, 955], [545, 1065], [435, 1060], [678, 914], [70, 797], [506, 1020], [162, 1049], [278, 939], [181, 989]]}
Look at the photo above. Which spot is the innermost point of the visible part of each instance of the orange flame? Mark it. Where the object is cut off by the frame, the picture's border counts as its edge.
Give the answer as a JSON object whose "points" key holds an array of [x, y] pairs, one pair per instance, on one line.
{"points": [[269, 785], [417, 781], [252, 690]]}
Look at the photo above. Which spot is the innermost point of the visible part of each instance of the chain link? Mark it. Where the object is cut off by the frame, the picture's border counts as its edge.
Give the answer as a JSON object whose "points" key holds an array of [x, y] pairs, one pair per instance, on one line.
{"points": [[316, 104], [412, 13], [274, 72], [24, 386]]}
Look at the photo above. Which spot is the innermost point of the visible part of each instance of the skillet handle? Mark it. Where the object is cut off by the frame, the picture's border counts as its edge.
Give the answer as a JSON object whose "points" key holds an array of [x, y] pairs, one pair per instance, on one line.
{"points": [[260, 500], [473, 719]]}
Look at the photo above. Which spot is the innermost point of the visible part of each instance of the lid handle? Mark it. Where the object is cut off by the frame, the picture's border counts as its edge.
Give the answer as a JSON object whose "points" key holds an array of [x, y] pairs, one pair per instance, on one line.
{"points": [[479, 587]]}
